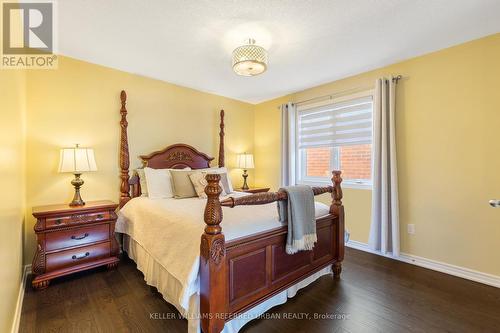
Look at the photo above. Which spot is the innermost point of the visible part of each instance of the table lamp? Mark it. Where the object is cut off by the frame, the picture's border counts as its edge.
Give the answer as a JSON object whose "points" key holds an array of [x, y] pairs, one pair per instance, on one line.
{"points": [[245, 162], [77, 160]]}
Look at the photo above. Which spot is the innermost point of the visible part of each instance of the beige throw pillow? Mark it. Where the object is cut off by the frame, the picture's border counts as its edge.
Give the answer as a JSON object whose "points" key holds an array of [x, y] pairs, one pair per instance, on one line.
{"points": [[181, 184], [142, 181], [224, 178], [199, 183], [225, 183]]}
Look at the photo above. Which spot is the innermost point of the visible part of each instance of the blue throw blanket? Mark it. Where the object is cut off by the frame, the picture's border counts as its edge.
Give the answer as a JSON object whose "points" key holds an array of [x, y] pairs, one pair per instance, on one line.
{"points": [[298, 211]]}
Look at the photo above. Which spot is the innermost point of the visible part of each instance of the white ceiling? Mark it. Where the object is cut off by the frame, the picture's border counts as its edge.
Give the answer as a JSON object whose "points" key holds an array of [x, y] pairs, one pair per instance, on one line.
{"points": [[189, 42]]}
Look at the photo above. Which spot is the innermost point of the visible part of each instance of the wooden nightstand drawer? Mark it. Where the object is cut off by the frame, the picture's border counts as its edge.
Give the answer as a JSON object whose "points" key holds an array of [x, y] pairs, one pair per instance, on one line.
{"points": [[75, 237], [75, 219], [77, 256]]}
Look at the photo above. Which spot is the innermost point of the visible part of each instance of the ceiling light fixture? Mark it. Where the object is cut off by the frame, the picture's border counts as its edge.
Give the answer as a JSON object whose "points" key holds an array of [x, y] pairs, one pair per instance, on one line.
{"points": [[249, 59]]}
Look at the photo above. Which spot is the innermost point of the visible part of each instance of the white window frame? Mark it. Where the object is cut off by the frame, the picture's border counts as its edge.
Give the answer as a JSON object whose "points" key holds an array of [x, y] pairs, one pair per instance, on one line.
{"points": [[300, 157]]}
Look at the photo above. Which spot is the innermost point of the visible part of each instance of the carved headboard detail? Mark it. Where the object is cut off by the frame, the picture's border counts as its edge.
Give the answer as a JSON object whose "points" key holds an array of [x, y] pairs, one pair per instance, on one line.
{"points": [[177, 156]]}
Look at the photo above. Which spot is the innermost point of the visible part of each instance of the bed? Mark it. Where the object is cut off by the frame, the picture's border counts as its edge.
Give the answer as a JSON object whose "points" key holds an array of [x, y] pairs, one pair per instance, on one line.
{"points": [[220, 261]]}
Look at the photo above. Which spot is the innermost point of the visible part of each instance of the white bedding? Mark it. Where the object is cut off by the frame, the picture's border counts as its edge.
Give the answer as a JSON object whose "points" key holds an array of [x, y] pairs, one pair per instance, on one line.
{"points": [[169, 230]]}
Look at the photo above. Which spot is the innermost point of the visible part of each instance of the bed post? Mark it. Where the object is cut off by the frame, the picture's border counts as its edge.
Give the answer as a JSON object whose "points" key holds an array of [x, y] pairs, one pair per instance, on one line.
{"points": [[124, 154], [337, 209], [213, 271], [221, 140]]}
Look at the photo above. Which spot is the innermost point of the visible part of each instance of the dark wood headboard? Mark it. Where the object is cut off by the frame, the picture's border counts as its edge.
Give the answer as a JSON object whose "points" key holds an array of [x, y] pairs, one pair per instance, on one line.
{"points": [[176, 156]]}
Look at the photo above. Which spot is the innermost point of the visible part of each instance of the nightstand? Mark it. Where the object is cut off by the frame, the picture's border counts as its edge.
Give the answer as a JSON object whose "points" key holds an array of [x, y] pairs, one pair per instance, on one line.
{"points": [[253, 190], [73, 239]]}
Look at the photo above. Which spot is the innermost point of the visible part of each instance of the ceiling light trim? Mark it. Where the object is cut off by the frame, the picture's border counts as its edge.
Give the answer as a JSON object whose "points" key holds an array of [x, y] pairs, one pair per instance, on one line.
{"points": [[249, 59]]}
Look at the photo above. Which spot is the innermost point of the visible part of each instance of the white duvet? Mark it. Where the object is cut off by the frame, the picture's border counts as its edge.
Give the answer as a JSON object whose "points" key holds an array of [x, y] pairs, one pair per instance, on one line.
{"points": [[170, 231]]}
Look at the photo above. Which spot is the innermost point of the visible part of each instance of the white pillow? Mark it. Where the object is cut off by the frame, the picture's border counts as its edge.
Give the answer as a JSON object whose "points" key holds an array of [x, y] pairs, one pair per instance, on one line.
{"points": [[229, 187], [159, 182]]}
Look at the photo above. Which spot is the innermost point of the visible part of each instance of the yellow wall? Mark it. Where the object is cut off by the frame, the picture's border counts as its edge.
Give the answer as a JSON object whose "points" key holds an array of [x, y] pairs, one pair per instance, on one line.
{"points": [[79, 103], [12, 117], [268, 143], [448, 116]]}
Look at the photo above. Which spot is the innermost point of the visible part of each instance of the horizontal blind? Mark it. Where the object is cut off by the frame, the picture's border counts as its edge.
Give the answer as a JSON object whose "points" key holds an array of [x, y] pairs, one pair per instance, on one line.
{"points": [[337, 124]]}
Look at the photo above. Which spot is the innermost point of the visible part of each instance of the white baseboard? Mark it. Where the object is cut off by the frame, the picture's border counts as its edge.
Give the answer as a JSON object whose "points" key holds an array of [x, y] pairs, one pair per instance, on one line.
{"points": [[20, 298], [364, 247], [466, 273]]}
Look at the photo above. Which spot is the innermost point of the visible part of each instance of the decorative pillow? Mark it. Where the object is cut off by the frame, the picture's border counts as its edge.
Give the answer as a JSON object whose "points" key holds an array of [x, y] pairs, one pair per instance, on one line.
{"points": [[224, 178], [181, 184], [142, 181], [199, 183], [158, 183], [226, 182]]}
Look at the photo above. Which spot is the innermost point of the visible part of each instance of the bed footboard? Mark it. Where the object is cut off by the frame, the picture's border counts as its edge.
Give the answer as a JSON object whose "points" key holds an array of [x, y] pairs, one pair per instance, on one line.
{"points": [[242, 273]]}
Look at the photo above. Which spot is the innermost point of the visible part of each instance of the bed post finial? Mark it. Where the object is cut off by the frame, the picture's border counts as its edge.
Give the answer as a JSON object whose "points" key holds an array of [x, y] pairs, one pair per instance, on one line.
{"points": [[213, 209], [124, 153], [337, 209], [336, 193], [221, 140], [213, 277]]}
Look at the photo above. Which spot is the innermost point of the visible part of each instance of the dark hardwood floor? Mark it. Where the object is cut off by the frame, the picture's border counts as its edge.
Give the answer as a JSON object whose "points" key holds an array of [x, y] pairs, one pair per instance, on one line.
{"points": [[375, 294]]}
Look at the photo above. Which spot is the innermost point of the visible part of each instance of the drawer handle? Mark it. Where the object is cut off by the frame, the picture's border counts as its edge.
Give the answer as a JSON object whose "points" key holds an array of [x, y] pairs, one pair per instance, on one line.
{"points": [[58, 221], [99, 216], [80, 257], [80, 237]]}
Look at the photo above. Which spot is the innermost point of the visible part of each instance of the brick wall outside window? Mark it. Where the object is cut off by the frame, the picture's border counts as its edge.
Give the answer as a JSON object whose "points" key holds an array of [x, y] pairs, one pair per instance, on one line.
{"points": [[318, 162], [355, 162]]}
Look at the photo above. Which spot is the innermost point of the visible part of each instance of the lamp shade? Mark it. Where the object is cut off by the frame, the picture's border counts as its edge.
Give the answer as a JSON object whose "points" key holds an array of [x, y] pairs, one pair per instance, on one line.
{"points": [[77, 160], [245, 161]]}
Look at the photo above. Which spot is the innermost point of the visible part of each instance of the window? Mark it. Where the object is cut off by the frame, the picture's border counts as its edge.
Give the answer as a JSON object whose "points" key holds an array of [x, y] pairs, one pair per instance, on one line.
{"points": [[336, 135]]}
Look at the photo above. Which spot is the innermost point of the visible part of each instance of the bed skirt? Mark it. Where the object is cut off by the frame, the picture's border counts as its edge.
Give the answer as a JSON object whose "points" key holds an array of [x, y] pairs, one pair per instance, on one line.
{"points": [[157, 276]]}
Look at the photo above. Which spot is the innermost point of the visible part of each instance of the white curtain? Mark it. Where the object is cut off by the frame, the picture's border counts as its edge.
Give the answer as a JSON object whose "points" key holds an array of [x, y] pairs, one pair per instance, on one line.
{"points": [[384, 230], [288, 119]]}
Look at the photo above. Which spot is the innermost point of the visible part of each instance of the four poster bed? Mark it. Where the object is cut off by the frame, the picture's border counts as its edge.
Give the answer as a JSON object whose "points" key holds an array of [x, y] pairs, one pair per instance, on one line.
{"points": [[242, 270]]}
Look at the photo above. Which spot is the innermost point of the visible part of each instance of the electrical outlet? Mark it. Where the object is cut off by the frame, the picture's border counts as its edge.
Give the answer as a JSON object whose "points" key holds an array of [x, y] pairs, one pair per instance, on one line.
{"points": [[411, 228]]}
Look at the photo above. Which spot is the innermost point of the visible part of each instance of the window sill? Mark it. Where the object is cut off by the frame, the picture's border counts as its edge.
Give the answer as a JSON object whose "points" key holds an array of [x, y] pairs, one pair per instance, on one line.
{"points": [[345, 184], [357, 186]]}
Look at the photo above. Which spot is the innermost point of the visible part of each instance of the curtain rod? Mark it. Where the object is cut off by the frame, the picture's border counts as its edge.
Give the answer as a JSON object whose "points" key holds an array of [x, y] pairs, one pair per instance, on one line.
{"points": [[395, 79], [332, 96]]}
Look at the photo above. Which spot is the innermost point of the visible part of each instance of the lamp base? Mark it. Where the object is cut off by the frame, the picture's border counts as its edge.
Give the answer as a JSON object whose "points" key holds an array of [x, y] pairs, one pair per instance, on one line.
{"points": [[77, 199], [245, 185]]}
